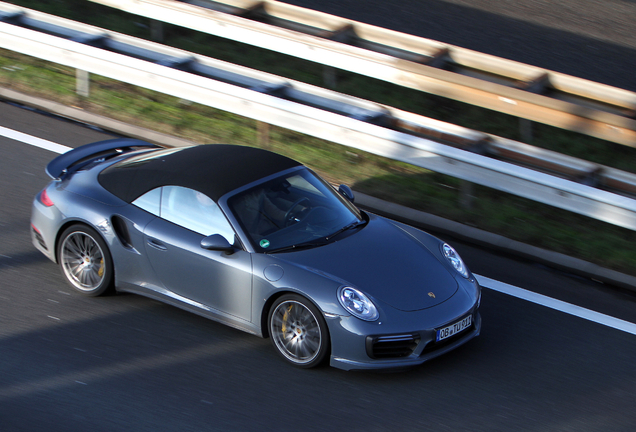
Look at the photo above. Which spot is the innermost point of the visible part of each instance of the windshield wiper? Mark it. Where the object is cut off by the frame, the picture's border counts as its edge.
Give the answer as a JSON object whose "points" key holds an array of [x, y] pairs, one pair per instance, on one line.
{"points": [[299, 246], [316, 243], [346, 228]]}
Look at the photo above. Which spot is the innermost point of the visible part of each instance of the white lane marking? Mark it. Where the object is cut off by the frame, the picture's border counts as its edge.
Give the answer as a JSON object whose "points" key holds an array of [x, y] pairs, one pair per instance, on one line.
{"points": [[559, 305], [514, 291], [34, 141]]}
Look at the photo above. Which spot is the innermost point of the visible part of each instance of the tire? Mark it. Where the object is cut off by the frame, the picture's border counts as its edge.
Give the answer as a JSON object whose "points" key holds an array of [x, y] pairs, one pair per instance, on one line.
{"points": [[298, 331], [85, 260]]}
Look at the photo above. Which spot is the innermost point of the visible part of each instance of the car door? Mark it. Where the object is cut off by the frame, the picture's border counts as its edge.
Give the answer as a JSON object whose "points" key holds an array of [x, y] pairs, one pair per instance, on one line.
{"points": [[213, 280]]}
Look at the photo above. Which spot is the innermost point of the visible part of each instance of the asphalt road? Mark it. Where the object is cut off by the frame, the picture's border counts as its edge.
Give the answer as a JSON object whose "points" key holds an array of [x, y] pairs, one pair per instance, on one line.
{"points": [[127, 363], [592, 39]]}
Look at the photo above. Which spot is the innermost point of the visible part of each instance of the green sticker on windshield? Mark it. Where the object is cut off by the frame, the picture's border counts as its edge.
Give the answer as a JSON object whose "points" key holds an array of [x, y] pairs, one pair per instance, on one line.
{"points": [[264, 243]]}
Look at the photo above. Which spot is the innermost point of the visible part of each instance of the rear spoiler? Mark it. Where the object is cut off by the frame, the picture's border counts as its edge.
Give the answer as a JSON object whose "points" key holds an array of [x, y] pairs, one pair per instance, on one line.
{"points": [[89, 152]]}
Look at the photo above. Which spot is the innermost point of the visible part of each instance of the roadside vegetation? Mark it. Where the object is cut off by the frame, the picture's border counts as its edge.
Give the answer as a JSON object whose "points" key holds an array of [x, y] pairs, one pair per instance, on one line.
{"points": [[491, 210]]}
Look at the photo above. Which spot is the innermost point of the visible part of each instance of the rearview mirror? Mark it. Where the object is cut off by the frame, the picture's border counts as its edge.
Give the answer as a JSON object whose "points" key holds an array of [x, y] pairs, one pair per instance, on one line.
{"points": [[346, 192]]}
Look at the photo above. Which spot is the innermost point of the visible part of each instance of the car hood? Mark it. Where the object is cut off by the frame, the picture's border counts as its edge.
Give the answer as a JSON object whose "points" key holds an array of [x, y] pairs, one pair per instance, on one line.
{"points": [[384, 262]]}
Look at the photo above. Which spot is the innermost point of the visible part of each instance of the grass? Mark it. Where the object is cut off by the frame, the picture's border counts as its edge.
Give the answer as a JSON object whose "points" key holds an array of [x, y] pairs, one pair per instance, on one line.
{"points": [[494, 211]]}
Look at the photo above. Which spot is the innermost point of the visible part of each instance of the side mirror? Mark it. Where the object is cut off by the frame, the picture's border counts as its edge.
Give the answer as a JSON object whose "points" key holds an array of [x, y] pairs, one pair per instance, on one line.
{"points": [[217, 242], [346, 192]]}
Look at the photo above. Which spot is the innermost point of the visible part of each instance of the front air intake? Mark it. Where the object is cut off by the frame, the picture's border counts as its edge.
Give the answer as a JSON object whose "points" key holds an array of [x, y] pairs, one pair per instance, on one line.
{"points": [[391, 346]]}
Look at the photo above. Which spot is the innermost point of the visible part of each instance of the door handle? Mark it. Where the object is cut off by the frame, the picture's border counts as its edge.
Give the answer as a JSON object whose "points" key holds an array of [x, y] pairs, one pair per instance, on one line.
{"points": [[156, 244]]}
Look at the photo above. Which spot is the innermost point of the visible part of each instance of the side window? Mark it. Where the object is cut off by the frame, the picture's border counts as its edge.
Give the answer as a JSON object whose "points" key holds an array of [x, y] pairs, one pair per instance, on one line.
{"points": [[149, 201], [194, 211]]}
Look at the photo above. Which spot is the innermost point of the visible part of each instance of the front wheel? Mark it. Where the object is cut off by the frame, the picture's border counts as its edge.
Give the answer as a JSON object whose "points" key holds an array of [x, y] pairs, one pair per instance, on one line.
{"points": [[298, 331], [85, 261]]}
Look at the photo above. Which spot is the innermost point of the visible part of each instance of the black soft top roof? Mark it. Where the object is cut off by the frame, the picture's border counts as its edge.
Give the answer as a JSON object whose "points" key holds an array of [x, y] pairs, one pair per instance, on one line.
{"points": [[212, 169]]}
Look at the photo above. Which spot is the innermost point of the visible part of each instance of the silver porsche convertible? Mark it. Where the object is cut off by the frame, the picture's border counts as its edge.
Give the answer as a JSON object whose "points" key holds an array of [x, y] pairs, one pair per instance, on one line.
{"points": [[257, 241]]}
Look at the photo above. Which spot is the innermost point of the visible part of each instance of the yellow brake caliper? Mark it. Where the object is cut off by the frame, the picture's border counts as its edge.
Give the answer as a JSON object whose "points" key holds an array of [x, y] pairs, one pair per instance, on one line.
{"points": [[100, 272], [284, 328]]}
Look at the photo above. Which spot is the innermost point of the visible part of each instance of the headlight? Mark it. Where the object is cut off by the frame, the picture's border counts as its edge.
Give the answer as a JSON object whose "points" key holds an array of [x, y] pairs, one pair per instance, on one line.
{"points": [[357, 303], [453, 257]]}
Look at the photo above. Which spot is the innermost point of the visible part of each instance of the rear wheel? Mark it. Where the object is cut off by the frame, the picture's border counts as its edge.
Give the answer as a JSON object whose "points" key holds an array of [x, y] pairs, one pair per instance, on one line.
{"points": [[85, 260], [298, 331]]}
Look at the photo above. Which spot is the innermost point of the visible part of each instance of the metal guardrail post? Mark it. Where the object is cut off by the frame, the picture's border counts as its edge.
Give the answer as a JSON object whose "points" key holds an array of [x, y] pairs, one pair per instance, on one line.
{"points": [[82, 83], [525, 129], [262, 134], [466, 194], [330, 77], [156, 31]]}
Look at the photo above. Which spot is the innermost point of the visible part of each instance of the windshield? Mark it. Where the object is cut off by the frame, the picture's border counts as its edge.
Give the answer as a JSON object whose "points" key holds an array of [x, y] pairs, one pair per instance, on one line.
{"points": [[293, 210]]}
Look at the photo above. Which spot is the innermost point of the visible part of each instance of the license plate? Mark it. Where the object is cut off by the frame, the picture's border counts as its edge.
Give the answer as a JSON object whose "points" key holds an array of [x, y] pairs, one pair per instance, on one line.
{"points": [[455, 328]]}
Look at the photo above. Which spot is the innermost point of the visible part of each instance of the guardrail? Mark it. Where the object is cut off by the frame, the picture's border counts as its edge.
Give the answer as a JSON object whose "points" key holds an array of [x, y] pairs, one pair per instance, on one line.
{"points": [[344, 120], [506, 86]]}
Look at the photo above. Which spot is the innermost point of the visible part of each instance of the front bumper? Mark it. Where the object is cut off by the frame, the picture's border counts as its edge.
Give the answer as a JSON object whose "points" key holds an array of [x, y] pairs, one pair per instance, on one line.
{"points": [[419, 349], [401, 340]]}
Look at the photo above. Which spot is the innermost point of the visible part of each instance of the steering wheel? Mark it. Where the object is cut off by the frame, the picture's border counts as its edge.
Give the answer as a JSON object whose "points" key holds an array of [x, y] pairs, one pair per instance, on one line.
{"points": [[290, 216]]}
